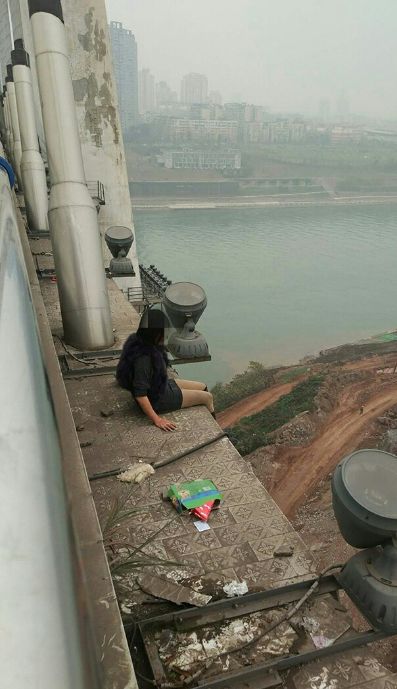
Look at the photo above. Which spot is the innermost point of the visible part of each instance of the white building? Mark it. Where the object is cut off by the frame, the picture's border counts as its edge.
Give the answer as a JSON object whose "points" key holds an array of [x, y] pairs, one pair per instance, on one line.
{"points": [[190, 159], [216, 131]]}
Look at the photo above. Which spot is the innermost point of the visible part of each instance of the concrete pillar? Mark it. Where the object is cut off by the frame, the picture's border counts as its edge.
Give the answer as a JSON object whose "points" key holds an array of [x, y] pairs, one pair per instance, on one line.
{"points": [[97, 108], [32, 167], [72, 215], [16, 145]]}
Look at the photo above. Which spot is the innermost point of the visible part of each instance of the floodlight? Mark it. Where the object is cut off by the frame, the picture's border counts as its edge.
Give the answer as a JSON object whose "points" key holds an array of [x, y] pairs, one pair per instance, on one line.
{"points": [[364, 492], [119, 240], [184, 303]]}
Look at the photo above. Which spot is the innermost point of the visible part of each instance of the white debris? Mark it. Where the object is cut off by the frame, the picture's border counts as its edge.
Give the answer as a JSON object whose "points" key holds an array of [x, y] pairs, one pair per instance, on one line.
{"points": [[136, 473], [235, 588]]}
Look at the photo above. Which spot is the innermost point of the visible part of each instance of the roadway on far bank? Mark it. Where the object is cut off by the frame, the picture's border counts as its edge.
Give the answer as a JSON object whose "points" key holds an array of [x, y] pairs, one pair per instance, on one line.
{"points": [[243, 202]]}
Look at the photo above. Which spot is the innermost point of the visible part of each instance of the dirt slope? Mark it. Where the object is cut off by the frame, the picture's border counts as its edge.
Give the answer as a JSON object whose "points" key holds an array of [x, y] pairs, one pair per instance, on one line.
{"points": [[304, 467], [255, 403]]}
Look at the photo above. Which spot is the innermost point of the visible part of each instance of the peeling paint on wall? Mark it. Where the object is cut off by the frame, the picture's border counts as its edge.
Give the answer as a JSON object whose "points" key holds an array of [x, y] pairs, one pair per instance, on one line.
{"points": [[94, 40]]}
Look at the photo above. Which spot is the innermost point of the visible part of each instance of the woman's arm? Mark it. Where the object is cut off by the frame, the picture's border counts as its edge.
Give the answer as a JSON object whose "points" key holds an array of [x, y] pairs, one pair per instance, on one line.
{"points": [[147, 409]]}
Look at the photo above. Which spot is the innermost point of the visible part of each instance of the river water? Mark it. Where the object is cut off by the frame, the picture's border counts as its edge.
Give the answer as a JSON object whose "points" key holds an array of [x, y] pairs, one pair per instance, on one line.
{"points": [[281, 283]]}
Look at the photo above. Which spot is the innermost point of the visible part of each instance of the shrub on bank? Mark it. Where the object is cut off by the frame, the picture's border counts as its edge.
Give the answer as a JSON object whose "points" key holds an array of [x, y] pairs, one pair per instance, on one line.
{"points": [[253, 431], [254, 379]]}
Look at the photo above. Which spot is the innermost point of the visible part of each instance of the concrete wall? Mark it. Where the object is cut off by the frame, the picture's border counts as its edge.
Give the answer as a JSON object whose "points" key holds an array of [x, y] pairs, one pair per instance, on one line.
{"points": [[97, 111]]}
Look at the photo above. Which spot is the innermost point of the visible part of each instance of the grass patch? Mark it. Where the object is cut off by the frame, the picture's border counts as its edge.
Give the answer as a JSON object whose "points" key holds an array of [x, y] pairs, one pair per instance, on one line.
{"points": [[293, 373], [254, 379], [253, 431]]}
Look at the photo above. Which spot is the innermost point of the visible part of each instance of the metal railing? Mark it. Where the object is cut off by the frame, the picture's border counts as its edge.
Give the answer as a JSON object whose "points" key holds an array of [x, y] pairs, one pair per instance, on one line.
{"points": [[97, 192], [42, 644], [153, 286]]}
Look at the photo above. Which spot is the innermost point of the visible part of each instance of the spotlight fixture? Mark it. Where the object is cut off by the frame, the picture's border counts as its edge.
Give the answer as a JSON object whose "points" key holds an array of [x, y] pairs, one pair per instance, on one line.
{"points": [[364, 492], [184, 303], [119, 240]]}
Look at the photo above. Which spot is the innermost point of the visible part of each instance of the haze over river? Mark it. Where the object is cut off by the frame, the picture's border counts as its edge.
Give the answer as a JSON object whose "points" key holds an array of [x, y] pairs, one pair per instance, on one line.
{"points": [[281, 283]]}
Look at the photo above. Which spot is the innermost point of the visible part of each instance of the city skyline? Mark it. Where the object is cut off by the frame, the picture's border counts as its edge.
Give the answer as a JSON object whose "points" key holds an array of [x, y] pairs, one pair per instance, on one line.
{"points": [[287, 57]]}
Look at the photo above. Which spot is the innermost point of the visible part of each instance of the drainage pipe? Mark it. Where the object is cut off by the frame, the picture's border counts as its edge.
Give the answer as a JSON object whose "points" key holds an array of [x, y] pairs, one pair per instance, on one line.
{"points": [[72, 215], [32, 166], [16, 147]]}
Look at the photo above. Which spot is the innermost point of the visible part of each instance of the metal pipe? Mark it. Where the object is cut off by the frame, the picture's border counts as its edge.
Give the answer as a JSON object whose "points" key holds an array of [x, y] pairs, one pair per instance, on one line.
{"points": [[72, 215], [9, 139], [32, 167], [17, 146]]}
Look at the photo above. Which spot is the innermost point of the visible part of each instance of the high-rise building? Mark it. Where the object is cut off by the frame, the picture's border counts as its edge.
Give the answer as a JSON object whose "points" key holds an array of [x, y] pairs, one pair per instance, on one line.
{"points": [[194, 88], [125, 64], [146, 91], [164, 94]]}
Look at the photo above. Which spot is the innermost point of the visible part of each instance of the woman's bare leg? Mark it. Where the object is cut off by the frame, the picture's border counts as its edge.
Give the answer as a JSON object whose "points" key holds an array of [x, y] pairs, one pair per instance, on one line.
{"points": [[192, 398], [190, 384]]}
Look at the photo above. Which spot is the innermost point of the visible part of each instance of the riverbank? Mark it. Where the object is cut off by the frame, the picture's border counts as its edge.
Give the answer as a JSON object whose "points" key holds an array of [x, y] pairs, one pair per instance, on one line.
{"points": [[242, 202]]}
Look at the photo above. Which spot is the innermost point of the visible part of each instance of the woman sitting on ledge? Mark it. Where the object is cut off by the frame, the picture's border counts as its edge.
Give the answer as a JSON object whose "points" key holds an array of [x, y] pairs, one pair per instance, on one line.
{"points": [[142, 370]]}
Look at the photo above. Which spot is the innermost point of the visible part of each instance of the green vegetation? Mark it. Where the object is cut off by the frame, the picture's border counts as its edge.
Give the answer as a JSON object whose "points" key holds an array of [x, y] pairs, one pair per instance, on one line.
{"points": [[291, 374], [254, 379], [253, 431], [368, 155]]}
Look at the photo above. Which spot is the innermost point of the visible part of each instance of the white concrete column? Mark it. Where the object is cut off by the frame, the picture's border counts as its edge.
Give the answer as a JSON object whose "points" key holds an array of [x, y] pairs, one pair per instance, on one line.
{"points": [[16, 146], [32, 167], [72, 215]]}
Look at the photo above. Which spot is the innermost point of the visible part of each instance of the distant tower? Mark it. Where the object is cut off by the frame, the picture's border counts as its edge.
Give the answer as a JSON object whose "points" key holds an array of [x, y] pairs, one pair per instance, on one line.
{"points": [[146, 91], [125, 64], [194, 88]]}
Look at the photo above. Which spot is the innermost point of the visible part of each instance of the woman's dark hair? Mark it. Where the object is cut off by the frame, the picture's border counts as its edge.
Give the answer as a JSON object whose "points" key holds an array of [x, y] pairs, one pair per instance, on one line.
{"points": [[151, 327], [145, 342]]}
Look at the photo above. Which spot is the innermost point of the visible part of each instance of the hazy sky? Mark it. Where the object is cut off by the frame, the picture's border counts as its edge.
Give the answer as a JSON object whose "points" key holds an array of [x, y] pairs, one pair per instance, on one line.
{"points": [[285, 54]]}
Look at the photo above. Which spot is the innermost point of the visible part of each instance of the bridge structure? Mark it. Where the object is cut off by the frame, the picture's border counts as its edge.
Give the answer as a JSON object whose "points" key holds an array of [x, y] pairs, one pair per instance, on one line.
{"points": [[61, 624]]}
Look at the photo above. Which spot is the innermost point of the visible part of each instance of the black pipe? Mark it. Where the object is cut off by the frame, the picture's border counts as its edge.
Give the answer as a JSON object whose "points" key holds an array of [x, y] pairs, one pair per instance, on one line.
{"points": [[50, 6], [161, 462]]}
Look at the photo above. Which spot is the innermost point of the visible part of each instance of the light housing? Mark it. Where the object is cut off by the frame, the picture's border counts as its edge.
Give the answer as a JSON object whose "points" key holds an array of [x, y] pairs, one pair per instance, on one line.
{"points": [[364, 493], [119, 240], [184, 303]]}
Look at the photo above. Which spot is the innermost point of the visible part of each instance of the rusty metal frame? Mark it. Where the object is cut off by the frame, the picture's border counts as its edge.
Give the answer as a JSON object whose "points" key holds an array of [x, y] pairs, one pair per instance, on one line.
{"points": [[260, 675]]}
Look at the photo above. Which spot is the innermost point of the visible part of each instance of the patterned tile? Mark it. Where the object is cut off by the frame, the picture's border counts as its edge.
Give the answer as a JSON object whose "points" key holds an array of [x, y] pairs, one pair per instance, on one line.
{"points": [[227, 557], [253, 510], [191, 543], [264, 548], [369, 667]]}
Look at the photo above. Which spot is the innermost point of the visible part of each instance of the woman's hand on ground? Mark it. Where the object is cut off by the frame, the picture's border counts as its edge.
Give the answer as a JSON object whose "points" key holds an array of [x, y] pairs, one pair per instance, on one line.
{"points": [[164, 424]]}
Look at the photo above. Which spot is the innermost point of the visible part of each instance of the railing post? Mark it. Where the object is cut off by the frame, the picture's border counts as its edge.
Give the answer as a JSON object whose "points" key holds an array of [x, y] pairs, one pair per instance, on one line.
{"points": [[72, 215]]}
